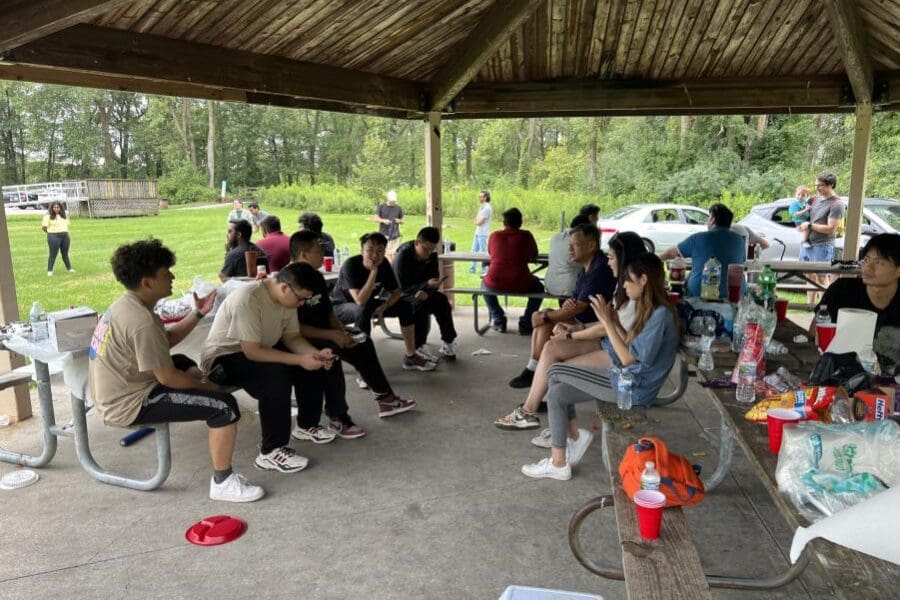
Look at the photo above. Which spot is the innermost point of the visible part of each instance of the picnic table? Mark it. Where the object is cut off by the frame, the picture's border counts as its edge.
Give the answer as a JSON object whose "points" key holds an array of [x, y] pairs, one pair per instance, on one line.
{"points": [[786, 269], [848, 573]]}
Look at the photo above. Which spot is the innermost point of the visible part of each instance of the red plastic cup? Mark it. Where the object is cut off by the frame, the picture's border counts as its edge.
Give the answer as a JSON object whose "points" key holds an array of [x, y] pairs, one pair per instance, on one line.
{"points": [[776, 418], [735, 282], [328, 263], [781, 306], [650, 505], [824, 334], [674, 297]]}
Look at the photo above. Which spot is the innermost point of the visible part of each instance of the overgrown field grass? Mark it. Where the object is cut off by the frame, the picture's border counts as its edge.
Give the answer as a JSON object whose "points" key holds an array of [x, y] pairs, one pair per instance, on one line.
{"points": [[195, 234]]}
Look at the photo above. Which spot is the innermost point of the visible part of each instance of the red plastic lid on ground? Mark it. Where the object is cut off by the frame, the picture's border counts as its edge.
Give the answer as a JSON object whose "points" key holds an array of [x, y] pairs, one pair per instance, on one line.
{"points": [[216, 530]]}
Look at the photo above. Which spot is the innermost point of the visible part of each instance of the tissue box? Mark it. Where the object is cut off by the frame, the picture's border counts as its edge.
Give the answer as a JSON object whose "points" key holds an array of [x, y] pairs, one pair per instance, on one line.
{"points": [[72, 329]]}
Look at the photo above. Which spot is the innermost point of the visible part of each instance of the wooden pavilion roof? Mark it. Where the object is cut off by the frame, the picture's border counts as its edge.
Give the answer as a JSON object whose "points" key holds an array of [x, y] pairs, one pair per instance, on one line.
{"points": [[470, 58]]}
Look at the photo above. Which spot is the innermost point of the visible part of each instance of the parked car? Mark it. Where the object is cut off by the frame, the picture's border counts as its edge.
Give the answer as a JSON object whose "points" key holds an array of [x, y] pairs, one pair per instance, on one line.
{"points": [[14, 198], [773, 222], [659, 225]]}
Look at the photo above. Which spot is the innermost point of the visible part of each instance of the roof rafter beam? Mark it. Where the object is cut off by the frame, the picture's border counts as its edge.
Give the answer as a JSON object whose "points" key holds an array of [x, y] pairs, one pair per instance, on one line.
{"points": [[28, 20], [493, 30], [624, 97], [170, 62], [847, 27]]}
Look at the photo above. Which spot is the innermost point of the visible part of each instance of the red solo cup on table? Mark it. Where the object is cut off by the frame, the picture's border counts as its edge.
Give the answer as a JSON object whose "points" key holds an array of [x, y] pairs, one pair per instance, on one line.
{"points": [[824, 334], [735, 282], [776, 418], [328, 263], [650, 505], [674, 297], [781, 306]]}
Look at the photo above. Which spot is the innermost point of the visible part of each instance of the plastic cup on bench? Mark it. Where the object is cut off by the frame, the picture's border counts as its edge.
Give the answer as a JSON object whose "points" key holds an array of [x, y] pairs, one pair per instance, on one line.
{"points": [[776, 419], [650, 505]]}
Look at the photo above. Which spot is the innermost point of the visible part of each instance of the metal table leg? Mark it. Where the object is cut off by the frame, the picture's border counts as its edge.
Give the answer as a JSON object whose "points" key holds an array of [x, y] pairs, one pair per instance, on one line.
{"points": [[48, 424], [86, 458], [726, 453]]}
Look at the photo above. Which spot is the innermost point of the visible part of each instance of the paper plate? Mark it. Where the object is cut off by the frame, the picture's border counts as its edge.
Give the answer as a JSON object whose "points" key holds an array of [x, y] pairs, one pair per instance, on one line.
{"points": [[17, 479]]}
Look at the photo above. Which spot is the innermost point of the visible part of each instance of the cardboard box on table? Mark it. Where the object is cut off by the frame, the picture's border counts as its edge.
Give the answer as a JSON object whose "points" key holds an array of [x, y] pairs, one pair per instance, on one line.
{"points": [[72, 329]]}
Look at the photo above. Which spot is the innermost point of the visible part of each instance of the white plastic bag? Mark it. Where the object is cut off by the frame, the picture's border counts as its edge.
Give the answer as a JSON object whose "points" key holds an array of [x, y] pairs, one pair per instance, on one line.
{"points": [[826, 468]]}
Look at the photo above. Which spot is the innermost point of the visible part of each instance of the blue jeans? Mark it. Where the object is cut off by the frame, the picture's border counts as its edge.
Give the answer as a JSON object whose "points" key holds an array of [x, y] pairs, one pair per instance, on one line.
{"points": [[497, 314], [818, 253], [479, 244]]}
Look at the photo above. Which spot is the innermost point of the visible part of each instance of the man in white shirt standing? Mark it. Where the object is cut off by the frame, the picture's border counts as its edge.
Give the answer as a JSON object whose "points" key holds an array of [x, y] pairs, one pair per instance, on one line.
{"points": [[482, 228]]}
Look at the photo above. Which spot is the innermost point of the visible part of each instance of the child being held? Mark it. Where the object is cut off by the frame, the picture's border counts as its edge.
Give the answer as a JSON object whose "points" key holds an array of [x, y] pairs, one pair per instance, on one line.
{"points": [[799, 209]]}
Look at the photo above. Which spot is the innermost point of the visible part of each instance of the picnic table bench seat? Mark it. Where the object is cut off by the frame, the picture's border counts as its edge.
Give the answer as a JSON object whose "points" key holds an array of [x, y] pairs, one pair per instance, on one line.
{"points": [[476, 292]]}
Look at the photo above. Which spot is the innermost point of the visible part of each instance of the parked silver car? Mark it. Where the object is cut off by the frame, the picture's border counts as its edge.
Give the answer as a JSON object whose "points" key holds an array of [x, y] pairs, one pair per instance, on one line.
{"points": [[659, 225], [773, 222]]}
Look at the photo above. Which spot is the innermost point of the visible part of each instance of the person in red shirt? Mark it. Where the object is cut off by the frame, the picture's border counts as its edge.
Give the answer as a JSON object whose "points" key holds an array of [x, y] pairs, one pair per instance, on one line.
{"points": [[511, 250], [274, 243]]}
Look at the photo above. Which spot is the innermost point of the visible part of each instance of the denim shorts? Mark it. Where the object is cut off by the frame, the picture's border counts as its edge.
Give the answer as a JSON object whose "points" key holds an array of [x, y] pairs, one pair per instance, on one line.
{"points": [[818, 253]]}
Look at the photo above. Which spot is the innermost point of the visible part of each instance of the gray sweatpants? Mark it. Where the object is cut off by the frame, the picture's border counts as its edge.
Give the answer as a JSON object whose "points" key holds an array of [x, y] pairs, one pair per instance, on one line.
{"points": [[567, 385]]}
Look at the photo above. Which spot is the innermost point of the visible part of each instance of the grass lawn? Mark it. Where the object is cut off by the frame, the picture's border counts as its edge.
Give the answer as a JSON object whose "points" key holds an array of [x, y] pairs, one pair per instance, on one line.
{"points": [[195, 234]]}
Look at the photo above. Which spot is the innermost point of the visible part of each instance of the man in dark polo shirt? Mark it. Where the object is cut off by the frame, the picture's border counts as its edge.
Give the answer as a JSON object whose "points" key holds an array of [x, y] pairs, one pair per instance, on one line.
{"points": [[597, 278], [237, 242], [323, 329], [359, 297], [417, 271]]}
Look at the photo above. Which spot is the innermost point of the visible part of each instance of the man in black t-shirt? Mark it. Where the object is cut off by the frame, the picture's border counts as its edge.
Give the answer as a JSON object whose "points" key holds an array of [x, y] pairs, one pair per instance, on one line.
{"points": [[310, 221], [237, 242], [417, 271], [359, 297], [875, 290], [323, 329]]}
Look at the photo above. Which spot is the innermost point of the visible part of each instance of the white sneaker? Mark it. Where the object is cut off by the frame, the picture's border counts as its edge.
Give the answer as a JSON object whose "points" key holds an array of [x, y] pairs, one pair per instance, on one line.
{"points": [[71, 270], [49, 273], [545, 469], [284, 459], [448, 350], [235, 489], [575, 449], [316, 435], [425, 352], [361, 383], [542, 440]]}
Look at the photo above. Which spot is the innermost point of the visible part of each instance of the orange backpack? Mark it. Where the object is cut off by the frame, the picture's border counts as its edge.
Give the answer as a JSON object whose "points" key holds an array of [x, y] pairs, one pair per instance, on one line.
{"points": [[679, 479]]}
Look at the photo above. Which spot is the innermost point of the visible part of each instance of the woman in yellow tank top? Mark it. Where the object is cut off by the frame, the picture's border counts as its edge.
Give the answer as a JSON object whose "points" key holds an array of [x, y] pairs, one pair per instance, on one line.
{"points": [[56, 225]]}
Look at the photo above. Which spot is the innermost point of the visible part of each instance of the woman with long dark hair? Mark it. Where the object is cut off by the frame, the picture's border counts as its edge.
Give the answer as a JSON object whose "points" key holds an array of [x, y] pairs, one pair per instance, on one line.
{"points": [[56, 225], [647, 351], [573, 343]]}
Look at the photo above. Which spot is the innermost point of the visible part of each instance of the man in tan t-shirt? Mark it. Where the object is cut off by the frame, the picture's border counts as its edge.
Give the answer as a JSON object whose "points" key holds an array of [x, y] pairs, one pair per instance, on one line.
{"points": [[133, 378], [255, 344]]}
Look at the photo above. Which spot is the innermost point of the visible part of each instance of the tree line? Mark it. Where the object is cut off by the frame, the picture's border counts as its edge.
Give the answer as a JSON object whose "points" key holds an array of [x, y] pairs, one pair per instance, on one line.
{"points": [[52, 132]]}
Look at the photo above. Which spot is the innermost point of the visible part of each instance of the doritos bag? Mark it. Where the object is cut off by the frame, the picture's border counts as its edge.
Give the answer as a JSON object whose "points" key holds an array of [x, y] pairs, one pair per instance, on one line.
{"points": [[679, 479]]}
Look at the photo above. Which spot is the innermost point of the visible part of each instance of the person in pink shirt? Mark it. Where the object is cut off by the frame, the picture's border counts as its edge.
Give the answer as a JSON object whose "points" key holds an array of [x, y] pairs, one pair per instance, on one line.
{"points": [[511, 249], [274, 243]]}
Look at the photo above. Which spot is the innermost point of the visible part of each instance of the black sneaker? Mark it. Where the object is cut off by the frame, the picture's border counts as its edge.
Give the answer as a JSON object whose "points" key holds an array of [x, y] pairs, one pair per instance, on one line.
{"points": [[523, 379], [525, 329], [499, 326]]}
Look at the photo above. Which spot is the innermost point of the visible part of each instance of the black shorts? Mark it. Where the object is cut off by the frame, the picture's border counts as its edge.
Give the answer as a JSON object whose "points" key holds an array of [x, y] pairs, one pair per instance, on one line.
{"points": [[168, 405]]}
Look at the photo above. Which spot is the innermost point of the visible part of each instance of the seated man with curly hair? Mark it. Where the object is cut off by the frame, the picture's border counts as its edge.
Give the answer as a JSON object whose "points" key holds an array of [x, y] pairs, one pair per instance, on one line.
{"points": [[134, 380]]}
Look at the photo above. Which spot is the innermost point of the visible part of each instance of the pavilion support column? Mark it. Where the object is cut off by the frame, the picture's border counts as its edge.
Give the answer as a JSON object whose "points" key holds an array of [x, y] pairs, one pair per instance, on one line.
{"points": [[433, 170], [14, 402], [861, 138]]}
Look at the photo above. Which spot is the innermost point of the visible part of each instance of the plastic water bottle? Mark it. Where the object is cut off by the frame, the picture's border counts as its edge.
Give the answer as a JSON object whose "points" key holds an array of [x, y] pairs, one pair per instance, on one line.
{"points": [[746, 387], [869, 361], [624, 383], [712, 275], [757, 253], [706, 362], [38, 319], [650, 476], [823, 317], [337, 256], [345, 253]]}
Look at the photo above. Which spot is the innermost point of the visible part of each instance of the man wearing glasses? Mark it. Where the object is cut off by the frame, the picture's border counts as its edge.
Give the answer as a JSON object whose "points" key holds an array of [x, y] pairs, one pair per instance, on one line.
{"points": [[255, 344]]}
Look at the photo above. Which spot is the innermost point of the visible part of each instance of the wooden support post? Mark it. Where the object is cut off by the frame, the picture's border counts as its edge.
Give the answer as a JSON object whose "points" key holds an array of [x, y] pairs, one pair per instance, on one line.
{"points": [[14, 402], [861, 138], [433, 170]]}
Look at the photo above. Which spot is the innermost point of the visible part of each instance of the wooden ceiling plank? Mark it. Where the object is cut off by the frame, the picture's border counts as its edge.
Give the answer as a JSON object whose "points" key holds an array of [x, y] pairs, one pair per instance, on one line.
{"points": [[711, 33], [222, 21], [196, 19], [659, 34], [811, 44], [724, 37], [494, 28], [557, 37], [148, 20], [679, 59], [410, 62], [805, 27], [609, 56], [262, 26], [764, 27], [674, 26], [388, 17], [883, 27], [230, 35], [125, 16], [28, 21], [287, 27], [639, 37], [602, 11], [341, 29], [542, 40], [626, 33], [584, 29], [850, 34], [780, 31], [652, 97], [85, 47], [884, 57]]}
